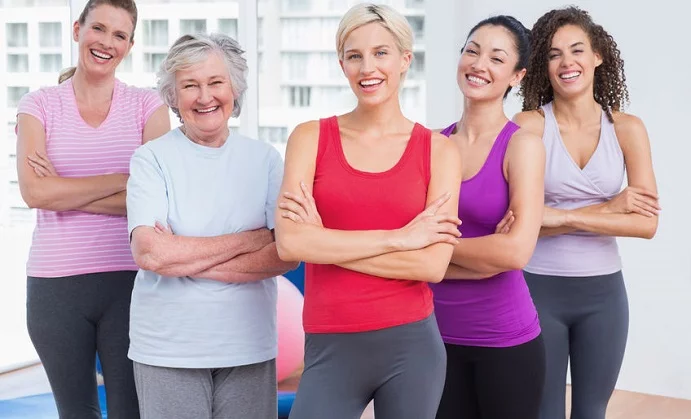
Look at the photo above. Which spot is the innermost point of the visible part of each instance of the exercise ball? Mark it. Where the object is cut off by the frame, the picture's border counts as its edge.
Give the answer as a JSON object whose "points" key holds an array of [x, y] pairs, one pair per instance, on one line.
{"points": [[291, 336]]}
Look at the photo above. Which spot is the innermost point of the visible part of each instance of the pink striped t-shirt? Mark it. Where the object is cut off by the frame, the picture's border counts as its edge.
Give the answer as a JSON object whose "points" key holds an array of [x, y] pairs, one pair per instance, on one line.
{"points": [[75, 242]]}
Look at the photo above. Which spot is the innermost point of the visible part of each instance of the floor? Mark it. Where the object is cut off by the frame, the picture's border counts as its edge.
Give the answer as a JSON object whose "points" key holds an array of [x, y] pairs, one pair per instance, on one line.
{"points": [[623, 405]]}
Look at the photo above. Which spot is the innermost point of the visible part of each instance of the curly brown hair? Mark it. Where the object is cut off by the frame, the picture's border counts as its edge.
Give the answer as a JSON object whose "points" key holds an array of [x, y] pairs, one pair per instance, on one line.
{"points": [[610, 82]]}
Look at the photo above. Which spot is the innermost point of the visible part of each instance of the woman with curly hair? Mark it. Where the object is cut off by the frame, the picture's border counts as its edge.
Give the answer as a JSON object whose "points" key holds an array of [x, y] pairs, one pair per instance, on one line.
{"points": [[573, 96]]}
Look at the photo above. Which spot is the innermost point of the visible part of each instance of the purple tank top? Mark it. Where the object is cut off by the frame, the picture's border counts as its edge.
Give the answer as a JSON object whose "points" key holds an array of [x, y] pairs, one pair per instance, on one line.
{"points": [[492, 312]]}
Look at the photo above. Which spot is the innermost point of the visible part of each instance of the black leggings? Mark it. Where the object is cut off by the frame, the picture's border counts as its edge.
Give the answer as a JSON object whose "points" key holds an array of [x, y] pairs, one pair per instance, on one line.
{"points": [[69, 320], [493, 383]]}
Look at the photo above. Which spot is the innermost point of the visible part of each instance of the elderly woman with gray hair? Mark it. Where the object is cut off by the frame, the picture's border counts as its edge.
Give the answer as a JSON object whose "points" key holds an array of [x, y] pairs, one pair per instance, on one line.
{"points": [[200, 206]]}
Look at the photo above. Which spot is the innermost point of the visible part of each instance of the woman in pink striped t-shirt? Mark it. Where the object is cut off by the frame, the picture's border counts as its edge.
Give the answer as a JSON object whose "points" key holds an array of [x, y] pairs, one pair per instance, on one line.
{"points": [[75, 141]]}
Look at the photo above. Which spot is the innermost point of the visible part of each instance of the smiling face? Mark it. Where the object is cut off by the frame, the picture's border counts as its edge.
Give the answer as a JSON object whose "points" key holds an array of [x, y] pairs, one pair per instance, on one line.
{"points": [[373, 64], [105, 38], [571, 62], [487, 65], [205, 99]]}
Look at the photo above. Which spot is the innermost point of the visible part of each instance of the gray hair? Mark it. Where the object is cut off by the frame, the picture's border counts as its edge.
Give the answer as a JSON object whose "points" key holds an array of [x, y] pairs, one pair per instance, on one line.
{"points": [[189, 50]]}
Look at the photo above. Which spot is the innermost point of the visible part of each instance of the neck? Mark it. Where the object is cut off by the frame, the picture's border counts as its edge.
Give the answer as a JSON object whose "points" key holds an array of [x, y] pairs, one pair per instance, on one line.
{"points": [[215, 140], [578, 111], [384, 117], [480, 117], [89, 89]]}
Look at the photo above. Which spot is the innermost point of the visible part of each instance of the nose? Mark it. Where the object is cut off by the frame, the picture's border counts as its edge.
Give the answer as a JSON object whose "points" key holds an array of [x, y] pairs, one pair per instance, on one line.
{"points": [[480, 64], [367, 66], [204, 96]]}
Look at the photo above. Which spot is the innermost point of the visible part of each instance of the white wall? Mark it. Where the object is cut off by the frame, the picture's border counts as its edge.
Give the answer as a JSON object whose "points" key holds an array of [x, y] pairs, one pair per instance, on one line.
{"points": [[653, 39]]}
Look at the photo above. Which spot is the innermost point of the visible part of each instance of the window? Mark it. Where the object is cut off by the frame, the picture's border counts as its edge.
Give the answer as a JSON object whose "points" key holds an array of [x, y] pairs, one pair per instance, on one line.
{"points": [[294, 65], [296, 5], [155, 33], [414, 4], [126, 64], [273, 135], [417, 67], [17, 63], [192, 26], [14, 94], [418, 25], [17, 34], [51, 63], [152, 61], [228, 27], [50, 34], [298, 96]]}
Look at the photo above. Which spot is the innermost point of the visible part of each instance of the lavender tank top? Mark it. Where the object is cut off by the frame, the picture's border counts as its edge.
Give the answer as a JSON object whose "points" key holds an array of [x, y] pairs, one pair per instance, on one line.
{"points": [[497, 311], [569, 187]]}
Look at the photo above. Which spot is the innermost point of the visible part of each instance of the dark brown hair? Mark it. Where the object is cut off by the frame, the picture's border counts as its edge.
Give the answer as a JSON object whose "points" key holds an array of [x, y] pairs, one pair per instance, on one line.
{"points": [[610, 82], [127, 5]]}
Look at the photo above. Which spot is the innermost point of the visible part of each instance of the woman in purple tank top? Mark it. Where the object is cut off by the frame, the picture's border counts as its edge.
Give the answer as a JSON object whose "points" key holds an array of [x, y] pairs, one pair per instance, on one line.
{"points": [[572, 97], [495, 353]]}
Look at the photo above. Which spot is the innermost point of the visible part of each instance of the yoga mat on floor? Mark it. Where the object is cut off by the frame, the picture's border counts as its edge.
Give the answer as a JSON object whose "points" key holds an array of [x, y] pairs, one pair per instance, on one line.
{"points": [[42, 406]]}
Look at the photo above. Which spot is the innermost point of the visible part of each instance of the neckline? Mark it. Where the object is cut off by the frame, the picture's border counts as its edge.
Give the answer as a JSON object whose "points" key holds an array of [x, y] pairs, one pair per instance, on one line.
{"points": [[202, 149], [492, 150], [73, 96], [562, 144], [353, 170]]}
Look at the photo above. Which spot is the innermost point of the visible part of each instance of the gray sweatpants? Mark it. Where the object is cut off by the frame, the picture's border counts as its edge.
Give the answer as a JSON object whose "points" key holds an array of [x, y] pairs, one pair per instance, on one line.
{"points": [[244, 392], [584, 320], [402, 368]]}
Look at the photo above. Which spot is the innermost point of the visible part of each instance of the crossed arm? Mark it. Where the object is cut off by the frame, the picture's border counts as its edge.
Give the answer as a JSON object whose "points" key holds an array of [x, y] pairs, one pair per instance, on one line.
{"points": [[634, 211], [42, 187], [419, 251], [482, 257], [238, 257]]}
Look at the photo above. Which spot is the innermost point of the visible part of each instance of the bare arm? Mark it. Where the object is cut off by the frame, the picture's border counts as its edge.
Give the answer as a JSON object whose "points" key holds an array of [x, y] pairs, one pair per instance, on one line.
{"points": [[253, 266], [430, 263], [313, 243], [53, 192], [455, 272], [639, 217], [504, 252], [174, 256]]}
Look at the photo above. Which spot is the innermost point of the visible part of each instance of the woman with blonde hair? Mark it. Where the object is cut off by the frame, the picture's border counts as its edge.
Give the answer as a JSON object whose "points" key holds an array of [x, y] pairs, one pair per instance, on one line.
{"points": [[368, 201]]}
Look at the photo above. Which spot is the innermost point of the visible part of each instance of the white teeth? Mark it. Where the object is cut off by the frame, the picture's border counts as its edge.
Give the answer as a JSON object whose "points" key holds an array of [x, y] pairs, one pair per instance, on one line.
{"points": [[477, 80], [207, 110], [571, 75], [370, 82], [101, 55]]}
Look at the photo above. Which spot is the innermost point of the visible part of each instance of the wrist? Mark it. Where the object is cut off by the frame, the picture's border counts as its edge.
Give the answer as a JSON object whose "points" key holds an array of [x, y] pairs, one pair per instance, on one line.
{"points": [[393, 241], [568, 218]]}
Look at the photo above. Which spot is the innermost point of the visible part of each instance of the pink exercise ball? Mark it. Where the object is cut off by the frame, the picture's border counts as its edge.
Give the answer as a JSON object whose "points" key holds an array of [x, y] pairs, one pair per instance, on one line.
{"points": [[291, 335]]}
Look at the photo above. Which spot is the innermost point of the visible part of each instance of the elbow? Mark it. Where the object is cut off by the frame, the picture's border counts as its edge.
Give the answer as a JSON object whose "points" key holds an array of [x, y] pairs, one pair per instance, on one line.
{"points": [[146, 261], [519, 256], [649, 230], [286, 249]]}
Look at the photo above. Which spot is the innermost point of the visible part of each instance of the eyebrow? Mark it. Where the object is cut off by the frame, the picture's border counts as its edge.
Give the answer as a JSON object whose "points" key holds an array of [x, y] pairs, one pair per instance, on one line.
{"points": [[190, 80], [493, 49], [575, 44], [357, 50]]}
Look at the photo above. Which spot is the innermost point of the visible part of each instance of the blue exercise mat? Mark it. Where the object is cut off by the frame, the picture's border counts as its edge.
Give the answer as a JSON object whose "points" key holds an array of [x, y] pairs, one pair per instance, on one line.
{"points": [[42, 406]]}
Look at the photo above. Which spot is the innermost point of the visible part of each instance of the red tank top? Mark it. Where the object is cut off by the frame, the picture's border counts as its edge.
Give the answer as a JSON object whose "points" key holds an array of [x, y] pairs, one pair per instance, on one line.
{"points": [[338, 300]]}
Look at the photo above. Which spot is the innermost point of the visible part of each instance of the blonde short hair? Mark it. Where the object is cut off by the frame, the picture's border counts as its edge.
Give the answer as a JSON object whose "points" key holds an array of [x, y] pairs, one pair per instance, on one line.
{"points": [[365, 13]]}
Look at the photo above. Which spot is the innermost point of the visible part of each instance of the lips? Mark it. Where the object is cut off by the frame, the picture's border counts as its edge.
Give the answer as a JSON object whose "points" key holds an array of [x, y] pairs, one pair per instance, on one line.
{"points": [[477, 80], [100, 55], [206, 110], [371, 82], [570, 75]]}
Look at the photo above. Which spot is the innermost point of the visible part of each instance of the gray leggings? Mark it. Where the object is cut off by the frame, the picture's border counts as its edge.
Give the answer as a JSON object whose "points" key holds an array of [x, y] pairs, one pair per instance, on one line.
{"points": [[69, 320], [242, 392], [402, 368], [584, 320]]}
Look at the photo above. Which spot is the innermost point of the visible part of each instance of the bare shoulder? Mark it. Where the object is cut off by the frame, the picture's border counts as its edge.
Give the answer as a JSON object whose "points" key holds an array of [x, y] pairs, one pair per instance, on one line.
{"points": [[533, 121], [525, 144], [304, 135], [629, 127], [445, 150]]}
